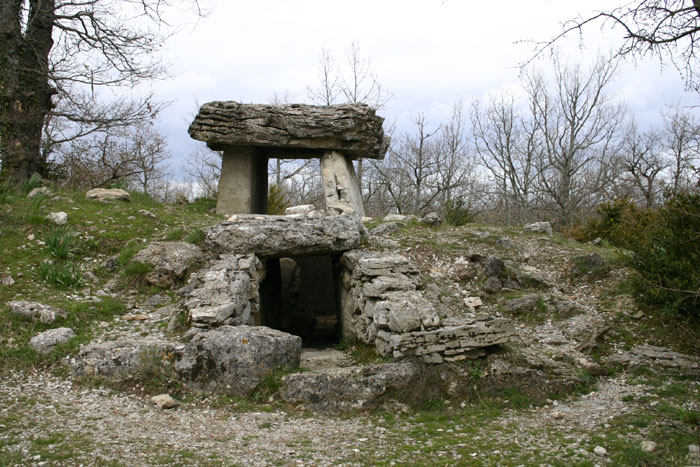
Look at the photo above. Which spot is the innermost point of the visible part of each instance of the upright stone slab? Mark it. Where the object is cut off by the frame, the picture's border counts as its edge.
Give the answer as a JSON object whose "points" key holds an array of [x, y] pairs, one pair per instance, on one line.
{"points": [[341, 187], [243, 183]]}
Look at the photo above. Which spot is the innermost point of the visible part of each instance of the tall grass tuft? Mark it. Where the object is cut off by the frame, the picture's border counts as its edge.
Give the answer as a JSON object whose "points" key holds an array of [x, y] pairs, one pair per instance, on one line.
{"points": [[60, 242], [28, 184]]}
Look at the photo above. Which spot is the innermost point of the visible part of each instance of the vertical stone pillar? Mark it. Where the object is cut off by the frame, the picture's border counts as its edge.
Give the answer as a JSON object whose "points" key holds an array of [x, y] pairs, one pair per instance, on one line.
{"points": [[341, 188], [243, 182]]}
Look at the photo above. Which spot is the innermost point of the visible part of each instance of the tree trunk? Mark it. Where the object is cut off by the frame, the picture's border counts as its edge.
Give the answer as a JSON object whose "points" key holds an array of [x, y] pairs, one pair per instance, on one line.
{"points": [[25, 93]]}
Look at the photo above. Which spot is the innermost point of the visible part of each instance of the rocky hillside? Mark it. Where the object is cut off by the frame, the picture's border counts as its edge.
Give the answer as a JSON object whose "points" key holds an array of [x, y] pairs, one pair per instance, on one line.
{"points": [[95, 322]]}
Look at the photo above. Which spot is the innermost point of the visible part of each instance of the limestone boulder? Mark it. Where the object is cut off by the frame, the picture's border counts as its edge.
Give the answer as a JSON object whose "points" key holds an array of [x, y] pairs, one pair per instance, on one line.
{"points": [[235, 359], [105, 194], [36, 311], [123, 359], [402, 311], [431, 218], [539, 227], [58, 218], [43, 190], [46, 341], [284, 236], [170, 261], [226, 292], [351, 388]]}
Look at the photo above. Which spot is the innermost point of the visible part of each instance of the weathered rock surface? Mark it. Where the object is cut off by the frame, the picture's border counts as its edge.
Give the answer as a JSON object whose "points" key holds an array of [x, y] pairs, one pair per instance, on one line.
{"points": [[104, 194], [385, 229], [122, 359], [235, 359], [523, 304], [280, 236], [451, 342], [652, 355], [170, 261], [303, 130], [431, 218], [33, 310], [350, 388], [341, 189], [46, 341], [225, 293], [300, 210], [539, 227]]}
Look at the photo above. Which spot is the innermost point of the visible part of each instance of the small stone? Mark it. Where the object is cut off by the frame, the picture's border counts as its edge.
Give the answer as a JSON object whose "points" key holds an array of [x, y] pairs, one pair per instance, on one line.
{"points": [[38, 191], [302, 209], [648, 446], [693, 454], [164, 401], [7, 281], [473, 302], [58, 218], [600, 451], [146, 213], [33, 310]]}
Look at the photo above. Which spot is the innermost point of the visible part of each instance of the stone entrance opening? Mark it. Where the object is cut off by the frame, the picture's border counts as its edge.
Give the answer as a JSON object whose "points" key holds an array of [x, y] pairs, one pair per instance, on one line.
{"points": [[298, 296]]}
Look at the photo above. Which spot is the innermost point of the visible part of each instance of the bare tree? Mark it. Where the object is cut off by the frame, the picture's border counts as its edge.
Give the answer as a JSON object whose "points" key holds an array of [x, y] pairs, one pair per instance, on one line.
{"points": [[664, 28], [59, 47], [681, 142], [580, 125], [508, 146], [327, 90], [133, 156], [204, 168], [643, 164]]}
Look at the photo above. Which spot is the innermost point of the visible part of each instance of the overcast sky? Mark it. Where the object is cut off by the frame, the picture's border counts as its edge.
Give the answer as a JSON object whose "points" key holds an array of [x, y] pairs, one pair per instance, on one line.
{"points": [[427, 53]]}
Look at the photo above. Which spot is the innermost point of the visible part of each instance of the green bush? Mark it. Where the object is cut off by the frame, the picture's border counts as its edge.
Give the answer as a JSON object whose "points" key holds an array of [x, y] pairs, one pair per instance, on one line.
{"points": [[196, 237], [61, 273], [665, 251], [28, 184], [457, 213], [59, 242], [276, 200], [6, 189]]}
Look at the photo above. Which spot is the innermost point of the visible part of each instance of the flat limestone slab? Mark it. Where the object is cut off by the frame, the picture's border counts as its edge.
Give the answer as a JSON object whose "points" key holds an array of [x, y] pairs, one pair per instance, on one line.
{"points": [[283, 236], [295, 131]]}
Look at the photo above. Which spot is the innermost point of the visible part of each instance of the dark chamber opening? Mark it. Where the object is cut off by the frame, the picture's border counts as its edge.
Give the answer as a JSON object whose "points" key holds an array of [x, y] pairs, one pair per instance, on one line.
{"points": [[298, 296]]}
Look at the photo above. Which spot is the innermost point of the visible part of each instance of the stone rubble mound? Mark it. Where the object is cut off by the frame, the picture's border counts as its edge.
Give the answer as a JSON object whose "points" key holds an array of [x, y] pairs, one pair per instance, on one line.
{"points": [[226, 292], [384, 305]]}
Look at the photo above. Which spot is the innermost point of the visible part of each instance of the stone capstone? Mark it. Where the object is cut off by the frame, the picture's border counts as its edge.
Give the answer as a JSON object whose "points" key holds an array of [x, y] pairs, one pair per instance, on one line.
{"points": [[235, 359], [104, 194], [170, 261], [292, 131], [46, 341], [280, 236], [226, 292], [33, 310], [350, 388]]}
